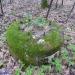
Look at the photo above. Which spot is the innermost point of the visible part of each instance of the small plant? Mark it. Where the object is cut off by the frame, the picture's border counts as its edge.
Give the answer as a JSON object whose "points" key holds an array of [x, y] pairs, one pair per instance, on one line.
{"points": [[43, 69], [17, 72], [57, 63], [40, 21], [44, 4], [64, 54], [71, 62], [72, 47], [27, 19], [29, 71], [72, 59]]}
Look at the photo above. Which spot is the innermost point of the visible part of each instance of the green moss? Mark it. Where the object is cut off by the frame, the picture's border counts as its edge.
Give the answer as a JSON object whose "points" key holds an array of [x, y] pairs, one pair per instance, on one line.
{"points": [[25, 48]]}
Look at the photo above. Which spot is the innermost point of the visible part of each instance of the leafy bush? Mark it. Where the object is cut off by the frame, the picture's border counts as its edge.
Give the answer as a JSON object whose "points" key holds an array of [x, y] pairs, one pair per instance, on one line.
{"points": [[24, 47]]}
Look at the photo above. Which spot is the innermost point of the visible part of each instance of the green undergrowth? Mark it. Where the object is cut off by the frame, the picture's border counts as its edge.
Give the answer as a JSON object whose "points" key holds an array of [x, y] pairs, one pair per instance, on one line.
{"points": [[40, 21], [32, 70], [36, 21], [54, 38], [24, 47], [46, 69]]}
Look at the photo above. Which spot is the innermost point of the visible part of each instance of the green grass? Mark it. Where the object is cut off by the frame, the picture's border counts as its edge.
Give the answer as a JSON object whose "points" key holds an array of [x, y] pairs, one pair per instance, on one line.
{"points": [[25, 48], [54, 38]]}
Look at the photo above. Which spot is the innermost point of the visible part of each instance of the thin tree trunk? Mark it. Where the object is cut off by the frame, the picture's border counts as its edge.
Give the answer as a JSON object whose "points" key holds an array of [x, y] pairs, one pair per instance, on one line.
{"points": [[11, 1], [50, 5], [62, 2], [1, 7], [70, 12], [56, 5]]}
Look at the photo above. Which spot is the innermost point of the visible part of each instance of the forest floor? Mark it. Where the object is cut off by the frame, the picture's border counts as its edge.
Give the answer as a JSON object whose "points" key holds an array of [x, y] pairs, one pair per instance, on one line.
{"points": [[18, 9]]}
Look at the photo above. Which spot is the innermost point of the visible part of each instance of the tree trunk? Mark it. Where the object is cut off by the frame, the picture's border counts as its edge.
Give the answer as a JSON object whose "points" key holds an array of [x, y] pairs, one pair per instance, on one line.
{"points": [[11, 1], [50, 5], [56, 5], [1, 7], [62, 2], [70, 12]]}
